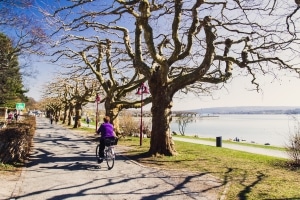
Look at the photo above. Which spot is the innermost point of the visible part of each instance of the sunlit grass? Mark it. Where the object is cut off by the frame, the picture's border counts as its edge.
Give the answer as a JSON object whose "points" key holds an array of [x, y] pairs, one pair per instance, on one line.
{"points": [[7, 169], [251, 176], [232, 142]]}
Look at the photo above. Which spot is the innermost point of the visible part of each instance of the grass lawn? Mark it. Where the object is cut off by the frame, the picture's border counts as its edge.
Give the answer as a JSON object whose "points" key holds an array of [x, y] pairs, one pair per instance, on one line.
{"points": [[8, 169], [249, 176], [233, 142]]}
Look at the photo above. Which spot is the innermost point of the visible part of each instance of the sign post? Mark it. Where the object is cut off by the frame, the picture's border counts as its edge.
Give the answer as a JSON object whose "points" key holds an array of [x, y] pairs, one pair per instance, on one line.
{"points": [[20, 106]]}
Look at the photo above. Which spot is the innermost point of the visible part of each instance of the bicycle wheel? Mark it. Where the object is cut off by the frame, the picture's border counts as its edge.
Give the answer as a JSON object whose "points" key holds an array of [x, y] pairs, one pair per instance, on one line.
{"points": [[110, 157], [97, 151]]}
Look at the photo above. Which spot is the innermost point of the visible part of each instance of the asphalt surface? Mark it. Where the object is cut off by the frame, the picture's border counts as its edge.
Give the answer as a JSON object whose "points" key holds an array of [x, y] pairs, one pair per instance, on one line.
{"points": [[62, 165]]}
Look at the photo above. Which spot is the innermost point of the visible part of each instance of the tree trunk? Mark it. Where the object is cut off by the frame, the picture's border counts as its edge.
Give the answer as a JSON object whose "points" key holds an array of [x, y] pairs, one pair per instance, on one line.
{"points": [[77, 122], [161, 141], [65, 115], [70, 114], [113, 113], [69, 118]]}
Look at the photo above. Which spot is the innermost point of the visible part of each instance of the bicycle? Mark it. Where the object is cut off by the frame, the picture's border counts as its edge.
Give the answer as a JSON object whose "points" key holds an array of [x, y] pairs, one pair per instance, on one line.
{"points": [[109, 152]]}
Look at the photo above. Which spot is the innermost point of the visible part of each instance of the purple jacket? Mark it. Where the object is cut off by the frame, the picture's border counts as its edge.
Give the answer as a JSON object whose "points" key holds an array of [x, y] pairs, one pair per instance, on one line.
{"points": [[106, 130]]}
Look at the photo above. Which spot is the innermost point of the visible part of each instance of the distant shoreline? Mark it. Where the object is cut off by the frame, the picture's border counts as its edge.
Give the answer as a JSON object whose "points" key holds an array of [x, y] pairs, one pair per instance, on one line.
{"points": [[248, 110], [205, 116]]}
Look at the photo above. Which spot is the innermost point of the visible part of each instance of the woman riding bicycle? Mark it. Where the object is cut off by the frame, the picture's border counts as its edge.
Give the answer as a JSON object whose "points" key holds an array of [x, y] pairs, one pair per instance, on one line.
{"points": [[107, 132]]}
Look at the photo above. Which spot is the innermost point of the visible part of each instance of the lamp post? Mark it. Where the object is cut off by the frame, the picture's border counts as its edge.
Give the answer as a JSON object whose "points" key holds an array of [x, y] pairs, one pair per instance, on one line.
{"points": [[142, 90], [97, 100]]}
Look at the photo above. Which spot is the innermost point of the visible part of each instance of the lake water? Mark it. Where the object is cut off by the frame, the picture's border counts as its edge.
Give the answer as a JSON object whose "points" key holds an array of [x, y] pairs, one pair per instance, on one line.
{"points": [[260, 129]]}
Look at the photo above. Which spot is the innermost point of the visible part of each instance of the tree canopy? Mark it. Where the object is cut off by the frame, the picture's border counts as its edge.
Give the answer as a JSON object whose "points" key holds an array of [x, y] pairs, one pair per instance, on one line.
{"points": [[22, 36], [11, 85], [188, 45]]}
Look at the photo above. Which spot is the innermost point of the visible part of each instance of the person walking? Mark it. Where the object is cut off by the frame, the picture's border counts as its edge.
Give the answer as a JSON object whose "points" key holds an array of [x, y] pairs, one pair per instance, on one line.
{"points": [[16, 115], [88, 121], [106, 130], [51, 119]]}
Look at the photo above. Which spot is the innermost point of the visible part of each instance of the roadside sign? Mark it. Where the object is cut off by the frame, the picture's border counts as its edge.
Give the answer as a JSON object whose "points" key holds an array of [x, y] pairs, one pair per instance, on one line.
{"points": [[20, 106]]}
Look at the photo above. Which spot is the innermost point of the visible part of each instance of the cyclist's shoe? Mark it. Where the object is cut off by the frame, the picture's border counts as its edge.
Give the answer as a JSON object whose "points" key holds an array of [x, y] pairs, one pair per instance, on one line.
{"points": [[100, 160]]}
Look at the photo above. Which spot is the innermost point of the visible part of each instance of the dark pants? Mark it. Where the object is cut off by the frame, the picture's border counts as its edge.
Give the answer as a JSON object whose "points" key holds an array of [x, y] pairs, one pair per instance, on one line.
{"points": [[102, 145]]}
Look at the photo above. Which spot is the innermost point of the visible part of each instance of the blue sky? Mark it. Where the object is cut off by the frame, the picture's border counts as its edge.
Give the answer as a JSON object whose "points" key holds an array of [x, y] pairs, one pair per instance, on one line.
{"points": [[273, 94], [238, 92]]}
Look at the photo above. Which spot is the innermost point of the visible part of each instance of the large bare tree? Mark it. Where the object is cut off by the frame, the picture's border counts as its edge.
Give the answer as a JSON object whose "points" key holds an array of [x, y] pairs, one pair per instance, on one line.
{"points": [[188, 44]]}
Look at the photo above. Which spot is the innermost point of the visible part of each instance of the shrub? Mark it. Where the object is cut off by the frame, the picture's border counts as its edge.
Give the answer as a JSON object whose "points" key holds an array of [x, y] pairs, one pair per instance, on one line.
{"points": [[183, 120], [293, 146], [16, 141], [129, 126]]}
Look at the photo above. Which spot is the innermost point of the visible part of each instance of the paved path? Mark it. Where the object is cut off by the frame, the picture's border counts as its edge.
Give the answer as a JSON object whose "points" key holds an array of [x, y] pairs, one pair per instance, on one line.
{"points": [[63, 166], [256, 150]]}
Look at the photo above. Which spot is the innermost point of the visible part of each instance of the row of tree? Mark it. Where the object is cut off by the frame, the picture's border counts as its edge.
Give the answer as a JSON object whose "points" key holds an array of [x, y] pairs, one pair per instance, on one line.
{"points": [[180, 46]]}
